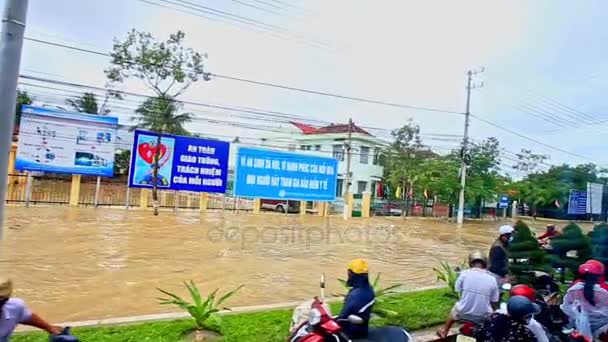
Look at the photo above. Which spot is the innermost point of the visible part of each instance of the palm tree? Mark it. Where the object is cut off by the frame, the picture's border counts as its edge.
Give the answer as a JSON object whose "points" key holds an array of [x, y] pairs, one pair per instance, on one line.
{"points": [[159, 114]]}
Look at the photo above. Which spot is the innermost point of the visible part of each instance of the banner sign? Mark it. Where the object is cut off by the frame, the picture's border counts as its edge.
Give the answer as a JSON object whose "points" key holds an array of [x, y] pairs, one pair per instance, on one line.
{"points": [[577, 202], [595, 193], [185, 163], [52, 140], [289, 176]]}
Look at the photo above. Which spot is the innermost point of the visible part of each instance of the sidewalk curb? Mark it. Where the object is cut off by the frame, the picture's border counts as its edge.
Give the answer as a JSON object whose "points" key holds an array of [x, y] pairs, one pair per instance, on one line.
{"points": [[182, 315]]}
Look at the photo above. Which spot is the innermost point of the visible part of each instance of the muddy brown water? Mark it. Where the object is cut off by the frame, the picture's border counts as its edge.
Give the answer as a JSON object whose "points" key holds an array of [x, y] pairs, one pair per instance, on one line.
{"points": [[77, 263]]}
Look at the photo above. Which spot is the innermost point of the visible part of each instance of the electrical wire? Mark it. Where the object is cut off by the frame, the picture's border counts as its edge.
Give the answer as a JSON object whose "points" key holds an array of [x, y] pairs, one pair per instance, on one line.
{"points": [[273, 85]]}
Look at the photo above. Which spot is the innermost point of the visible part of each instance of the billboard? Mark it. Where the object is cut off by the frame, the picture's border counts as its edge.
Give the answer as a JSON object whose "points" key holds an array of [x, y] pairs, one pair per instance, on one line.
{"points": [[52, 140], [577, 202], [281, 175], [185, 163], [595, 193]]}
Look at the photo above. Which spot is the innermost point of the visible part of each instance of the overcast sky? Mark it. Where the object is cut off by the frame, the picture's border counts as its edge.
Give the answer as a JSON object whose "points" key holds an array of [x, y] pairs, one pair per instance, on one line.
{"points": [[546, 67]]}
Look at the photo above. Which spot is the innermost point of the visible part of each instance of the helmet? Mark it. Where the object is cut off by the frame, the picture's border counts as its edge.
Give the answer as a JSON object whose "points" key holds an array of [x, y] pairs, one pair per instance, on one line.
{"points": [[592, 267], [477, 256], [358, 266], [520, 307], [525, 291], [506, 229], [550, 227]]}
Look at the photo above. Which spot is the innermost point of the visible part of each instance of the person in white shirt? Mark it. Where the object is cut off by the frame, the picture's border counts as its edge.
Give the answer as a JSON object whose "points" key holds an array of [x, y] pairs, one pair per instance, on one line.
{"points": [[479, 294], [533, 325]]}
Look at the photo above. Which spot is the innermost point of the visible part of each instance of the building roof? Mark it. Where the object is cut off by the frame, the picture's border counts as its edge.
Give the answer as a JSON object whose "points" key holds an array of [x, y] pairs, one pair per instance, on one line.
{"points": [[331, 129]]}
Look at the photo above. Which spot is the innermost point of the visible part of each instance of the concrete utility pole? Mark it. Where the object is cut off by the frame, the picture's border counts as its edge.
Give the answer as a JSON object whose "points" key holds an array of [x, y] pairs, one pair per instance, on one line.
{"points": [[11, 44], [349, 145], [465, 147]]}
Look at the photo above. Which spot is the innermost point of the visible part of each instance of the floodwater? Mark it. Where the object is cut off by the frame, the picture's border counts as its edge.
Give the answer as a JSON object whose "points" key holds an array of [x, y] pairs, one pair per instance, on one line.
{"points": [[78, 263]]}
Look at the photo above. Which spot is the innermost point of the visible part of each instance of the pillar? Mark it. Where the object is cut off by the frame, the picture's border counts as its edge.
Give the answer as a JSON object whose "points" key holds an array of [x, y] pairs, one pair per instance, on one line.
{"points": [[75, 190], [366, 203], [203, 201], [303, 208], [11, 170], [321, 208], [257, 205], [144, 198], [349, 200]]}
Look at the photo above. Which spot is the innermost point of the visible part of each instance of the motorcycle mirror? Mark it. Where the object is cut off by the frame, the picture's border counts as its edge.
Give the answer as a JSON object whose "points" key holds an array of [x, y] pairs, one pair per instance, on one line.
{"points": [[354, 319], [506, 287]]}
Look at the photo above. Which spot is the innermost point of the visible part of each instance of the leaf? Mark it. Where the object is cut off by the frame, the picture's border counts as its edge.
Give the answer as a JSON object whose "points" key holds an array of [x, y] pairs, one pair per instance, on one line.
{"points": [[229, 295]]}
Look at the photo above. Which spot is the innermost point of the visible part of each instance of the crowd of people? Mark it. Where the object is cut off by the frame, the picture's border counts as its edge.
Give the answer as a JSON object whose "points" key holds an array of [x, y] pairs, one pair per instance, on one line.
{"points": [[585, 303]]}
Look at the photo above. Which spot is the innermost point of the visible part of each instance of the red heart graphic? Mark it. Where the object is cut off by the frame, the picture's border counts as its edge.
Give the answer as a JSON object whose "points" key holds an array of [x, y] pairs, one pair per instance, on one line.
{"points": [[147, 152]]}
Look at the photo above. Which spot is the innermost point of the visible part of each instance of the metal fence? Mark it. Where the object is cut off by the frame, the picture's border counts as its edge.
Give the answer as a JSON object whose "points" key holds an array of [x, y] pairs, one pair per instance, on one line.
{"points": [[107, 192]]}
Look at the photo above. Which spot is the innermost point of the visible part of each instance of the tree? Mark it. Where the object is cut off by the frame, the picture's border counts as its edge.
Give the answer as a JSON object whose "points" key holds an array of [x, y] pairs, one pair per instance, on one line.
{"points": [[529, 162], [168, 69], [23, 98], [571, 239], [86, 103], [122, 162], [599, 243], [526, 247], [403, 159]]}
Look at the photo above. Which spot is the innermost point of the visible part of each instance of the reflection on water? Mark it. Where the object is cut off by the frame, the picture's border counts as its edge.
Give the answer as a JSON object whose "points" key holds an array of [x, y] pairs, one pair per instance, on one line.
{"points": [[75, 264]]}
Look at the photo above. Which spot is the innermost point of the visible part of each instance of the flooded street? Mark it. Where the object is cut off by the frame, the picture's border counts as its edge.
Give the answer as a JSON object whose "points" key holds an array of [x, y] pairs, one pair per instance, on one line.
{"points": [[77, 263]]}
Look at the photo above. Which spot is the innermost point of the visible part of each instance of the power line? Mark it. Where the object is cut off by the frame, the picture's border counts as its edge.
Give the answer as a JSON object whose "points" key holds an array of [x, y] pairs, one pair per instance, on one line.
{"points": [[273, 85], [528, 138]]}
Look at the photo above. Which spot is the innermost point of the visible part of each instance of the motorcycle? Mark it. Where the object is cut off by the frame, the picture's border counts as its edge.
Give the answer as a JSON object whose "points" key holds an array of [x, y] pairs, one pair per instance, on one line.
{"points": [[321, 326]]}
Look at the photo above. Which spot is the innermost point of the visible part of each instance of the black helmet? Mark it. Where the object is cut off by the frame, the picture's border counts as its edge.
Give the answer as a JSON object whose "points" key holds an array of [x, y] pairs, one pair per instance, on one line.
{"points": [[477, 256], [520, 307]]}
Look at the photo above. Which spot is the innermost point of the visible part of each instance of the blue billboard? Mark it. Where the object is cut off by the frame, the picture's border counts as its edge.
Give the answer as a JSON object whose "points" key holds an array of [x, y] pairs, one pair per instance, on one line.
{"points": [[53, 140], [185, 163], [284, 176], [577, 202]]}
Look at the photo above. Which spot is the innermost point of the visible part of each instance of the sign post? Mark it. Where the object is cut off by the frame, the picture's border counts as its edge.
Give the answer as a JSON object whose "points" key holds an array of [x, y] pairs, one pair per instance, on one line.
{"points": [[504, 204]]}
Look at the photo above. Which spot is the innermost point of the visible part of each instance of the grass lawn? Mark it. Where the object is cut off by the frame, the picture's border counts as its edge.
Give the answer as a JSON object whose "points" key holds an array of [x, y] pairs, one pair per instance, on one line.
{"points": [[414, 310]]}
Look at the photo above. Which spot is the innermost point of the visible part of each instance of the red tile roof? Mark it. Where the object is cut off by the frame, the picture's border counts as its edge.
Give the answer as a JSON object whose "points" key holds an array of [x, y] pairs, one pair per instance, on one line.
{"points": [[333, 128]]}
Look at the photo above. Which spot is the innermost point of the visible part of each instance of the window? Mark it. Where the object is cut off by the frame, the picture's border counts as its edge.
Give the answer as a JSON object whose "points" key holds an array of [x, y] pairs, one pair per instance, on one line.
{"points": [[376, 156], [291, 147], [317, 147], [361, 187], [364, 155], [305, 147], [339, 187], [339, 152]]}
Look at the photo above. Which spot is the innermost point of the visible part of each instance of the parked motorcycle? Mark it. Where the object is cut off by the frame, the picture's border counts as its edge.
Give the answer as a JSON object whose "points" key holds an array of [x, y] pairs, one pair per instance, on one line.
{"points": [[321, 326]]}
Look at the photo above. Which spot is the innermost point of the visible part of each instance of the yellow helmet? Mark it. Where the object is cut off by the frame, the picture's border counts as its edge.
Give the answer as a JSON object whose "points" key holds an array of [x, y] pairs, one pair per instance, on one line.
{"points": [[358, 266], [6, 287]]}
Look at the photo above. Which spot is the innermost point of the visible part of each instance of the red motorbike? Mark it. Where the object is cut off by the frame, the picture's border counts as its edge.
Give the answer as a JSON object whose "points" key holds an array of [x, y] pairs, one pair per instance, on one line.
{"points": [[321, 327]]}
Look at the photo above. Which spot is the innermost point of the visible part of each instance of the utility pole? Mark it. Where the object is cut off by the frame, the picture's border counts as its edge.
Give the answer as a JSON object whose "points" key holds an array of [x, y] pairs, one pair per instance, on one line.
{"points": [[11, 44], [349, 145], [465, 146]]}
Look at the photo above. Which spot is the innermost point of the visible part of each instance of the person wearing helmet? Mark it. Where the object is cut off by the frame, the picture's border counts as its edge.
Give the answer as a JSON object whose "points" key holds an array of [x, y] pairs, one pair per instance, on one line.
{"points": [[549, 234], [499, 257], [513, 325], [594, 264], [359, 300], [13, 312], [533, 325], [586, 302], [479, 294]]}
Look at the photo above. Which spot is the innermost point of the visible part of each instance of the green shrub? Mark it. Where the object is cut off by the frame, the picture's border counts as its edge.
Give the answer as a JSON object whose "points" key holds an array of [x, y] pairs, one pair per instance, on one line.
{"points": [[526, 254], [599, 243], [448, 275], [200, 310], [572, 239]]}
